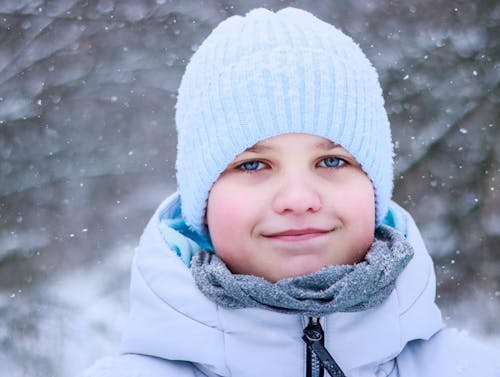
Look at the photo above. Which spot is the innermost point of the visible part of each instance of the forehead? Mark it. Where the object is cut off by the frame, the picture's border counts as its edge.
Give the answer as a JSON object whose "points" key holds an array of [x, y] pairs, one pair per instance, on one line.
{"points": [[293, 139]]}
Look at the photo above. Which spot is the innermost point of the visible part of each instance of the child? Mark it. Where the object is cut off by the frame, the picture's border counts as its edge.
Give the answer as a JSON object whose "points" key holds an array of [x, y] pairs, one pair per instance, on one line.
{"points": [[282, 253]]}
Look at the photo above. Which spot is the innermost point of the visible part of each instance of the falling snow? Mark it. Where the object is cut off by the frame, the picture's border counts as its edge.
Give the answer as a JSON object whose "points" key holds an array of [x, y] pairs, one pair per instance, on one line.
{"points": [[87, 151]]}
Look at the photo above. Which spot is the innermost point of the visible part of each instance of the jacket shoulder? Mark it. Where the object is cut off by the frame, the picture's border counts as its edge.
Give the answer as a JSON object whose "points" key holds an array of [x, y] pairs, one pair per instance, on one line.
{"points": [[449, 353], [131, 365]]}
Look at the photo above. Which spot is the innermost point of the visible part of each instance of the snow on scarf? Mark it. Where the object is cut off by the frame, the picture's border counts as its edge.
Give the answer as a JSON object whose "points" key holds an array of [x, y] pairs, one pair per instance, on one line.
{"points": [[339, 288]]}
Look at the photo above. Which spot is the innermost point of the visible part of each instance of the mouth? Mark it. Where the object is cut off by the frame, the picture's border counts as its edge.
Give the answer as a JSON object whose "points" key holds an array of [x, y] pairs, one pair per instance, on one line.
{"points": [[293, 235]]}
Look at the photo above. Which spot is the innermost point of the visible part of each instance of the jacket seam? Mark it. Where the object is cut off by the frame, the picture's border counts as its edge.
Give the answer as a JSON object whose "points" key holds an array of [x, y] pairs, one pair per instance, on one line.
{"points": [[427, 280], [219, 327], [417, 298]]}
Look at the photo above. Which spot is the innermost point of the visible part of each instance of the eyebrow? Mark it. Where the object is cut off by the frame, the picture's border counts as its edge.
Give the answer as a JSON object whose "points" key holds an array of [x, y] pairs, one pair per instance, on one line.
{"points": [[324, 145], [258, 148]]}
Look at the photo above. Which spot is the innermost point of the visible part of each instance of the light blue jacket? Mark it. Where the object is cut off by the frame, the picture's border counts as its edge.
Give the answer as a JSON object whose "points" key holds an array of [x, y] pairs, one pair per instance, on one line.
{"points": [[174, 330]]}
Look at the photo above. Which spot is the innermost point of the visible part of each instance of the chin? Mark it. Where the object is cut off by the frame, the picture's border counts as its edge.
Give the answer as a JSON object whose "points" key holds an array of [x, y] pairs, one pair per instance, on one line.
{"points": [[295, 272]]}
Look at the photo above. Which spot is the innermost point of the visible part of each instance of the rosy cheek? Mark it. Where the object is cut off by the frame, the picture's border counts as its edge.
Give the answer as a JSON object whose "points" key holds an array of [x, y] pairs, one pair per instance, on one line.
{"points": [[367, 223], [359, 209], [363, 205], [225, 215], [227, 219], [224, 211]]}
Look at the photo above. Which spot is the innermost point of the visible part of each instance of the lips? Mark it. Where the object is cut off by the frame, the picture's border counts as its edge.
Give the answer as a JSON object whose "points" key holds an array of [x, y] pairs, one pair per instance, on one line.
{"points": [[297, 234]]}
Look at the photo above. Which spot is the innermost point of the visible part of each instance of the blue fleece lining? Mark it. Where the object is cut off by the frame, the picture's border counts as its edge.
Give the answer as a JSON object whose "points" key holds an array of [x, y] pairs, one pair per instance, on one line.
{"points": [[181, 239], [395, 219]]}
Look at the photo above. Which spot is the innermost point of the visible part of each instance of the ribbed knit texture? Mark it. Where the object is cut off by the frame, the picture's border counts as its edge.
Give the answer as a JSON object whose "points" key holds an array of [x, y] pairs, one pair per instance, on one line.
{"points": [[267, 74]]}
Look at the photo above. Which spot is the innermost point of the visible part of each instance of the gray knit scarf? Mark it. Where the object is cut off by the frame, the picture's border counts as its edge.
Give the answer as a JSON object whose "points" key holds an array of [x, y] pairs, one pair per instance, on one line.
{"points": [[339, 288]]}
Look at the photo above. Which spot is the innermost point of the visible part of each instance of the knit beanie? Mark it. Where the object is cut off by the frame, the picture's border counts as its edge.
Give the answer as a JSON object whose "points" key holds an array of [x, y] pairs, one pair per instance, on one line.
{"points": [[269, 73]]}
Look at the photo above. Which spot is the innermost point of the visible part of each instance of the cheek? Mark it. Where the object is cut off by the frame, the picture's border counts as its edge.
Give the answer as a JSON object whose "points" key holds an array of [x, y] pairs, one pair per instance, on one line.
{"points": [[367, 222], [362, 204], [361, 198], [359, 202], [228, 215]]}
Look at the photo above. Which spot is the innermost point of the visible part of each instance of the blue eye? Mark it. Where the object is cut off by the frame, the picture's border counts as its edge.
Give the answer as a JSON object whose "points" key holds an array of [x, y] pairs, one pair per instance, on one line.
{"points": [[251, 166], [331, 162]]}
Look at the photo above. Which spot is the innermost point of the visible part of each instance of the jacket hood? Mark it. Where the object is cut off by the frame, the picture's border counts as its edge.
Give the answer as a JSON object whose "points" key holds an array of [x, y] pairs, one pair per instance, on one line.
{"points": [[171, 319]]}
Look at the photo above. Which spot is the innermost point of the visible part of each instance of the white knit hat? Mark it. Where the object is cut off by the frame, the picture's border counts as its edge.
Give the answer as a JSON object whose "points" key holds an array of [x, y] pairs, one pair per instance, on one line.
{"points": [[266, 74]]}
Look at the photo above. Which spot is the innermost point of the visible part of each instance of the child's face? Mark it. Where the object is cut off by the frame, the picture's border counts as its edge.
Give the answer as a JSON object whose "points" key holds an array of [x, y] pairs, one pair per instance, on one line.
{"points": [[291, 205]]}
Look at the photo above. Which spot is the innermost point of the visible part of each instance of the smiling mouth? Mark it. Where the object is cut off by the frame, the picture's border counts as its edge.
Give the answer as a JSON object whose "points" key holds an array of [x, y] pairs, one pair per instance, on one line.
{"points": [[294, 235]]}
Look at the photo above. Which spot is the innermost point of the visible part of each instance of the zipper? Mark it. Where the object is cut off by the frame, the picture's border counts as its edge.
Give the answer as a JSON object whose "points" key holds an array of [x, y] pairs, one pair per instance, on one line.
{"points": [[317, 356], [313, 333]]}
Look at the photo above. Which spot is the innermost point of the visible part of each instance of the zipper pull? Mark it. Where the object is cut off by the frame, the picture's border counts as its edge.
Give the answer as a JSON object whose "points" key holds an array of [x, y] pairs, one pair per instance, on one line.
{"points": [[314, 337]]}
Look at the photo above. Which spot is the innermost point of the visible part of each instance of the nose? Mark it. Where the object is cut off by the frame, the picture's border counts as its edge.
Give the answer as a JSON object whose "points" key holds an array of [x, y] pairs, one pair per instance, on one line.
{"points": [[297, 195]]}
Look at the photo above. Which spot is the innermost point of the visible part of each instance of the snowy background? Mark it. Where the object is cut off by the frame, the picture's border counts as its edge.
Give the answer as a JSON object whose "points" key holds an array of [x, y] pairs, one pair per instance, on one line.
{"points": [[87, 151]]}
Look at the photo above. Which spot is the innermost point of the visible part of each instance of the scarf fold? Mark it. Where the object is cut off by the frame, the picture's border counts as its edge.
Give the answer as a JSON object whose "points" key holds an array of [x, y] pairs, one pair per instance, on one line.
{"points": [[338, 288]]}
